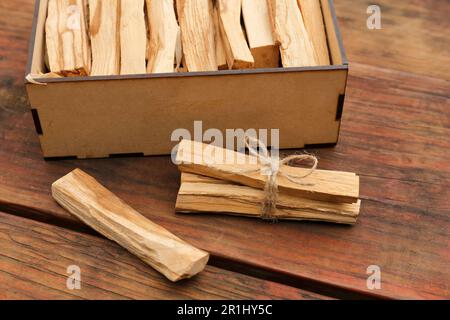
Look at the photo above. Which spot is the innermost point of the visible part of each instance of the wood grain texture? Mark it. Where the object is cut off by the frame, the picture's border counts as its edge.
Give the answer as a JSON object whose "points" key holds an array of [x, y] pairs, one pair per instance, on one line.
{"points": [[390, 120], [163, 27], [67, 40], [196, 19], [415, 35], [195, 197], [88, 200], [215, 162], [236, 48], [412, 32], [34, 258], [104, 31], [296, 47], [314, 24], [395, 131], [258, 27], [133, 37], [221, 57]]}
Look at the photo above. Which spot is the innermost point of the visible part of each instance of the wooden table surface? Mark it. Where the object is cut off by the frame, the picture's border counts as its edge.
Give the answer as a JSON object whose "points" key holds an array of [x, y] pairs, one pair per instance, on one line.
{"points": [[395, 134]]}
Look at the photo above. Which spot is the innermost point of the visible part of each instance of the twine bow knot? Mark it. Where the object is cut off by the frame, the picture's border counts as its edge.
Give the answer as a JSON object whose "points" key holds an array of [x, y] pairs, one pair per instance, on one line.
{"points": [[272, 167]]}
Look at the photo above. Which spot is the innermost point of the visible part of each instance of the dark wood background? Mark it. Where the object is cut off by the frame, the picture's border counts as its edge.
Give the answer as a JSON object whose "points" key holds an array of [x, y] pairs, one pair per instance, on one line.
{"points": [[395, 135]]}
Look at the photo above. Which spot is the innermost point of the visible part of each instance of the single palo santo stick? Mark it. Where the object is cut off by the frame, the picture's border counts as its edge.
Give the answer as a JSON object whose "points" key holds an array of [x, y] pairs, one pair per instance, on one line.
{"points": [[241, 200], [133, 37], [237, 51], [53, 43], [163, 36], [105, 37], [219, 163], [187, 177], [312, 15], [353, 208], [88, 53], [263, 46], [96, 206], [196, 20], [67, 43], [221, 57], [289, 30]]}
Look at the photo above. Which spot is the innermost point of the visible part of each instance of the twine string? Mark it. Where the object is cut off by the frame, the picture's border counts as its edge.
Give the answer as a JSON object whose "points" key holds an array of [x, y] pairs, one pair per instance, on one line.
{"points": [[273, 167]]}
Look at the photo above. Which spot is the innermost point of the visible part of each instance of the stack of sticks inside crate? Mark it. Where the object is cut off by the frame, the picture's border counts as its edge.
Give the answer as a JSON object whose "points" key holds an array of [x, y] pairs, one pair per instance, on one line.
{"points": [[112, 37], [219, 180]]}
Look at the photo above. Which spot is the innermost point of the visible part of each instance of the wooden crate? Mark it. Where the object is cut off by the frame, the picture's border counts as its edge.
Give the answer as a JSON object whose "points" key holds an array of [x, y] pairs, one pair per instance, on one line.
{"points": [[102, 116]]}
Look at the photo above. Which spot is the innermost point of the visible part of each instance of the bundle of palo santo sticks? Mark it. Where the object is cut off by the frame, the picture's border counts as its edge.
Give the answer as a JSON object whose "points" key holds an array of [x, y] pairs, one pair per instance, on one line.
{"points": [[219, 180], [112, 37]]}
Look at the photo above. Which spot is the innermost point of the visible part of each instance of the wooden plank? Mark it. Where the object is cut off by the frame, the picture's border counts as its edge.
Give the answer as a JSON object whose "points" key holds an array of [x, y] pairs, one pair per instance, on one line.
{"points": [[133, 37], [102, 210], [163, 27], [215, 162], [289, 30], [313, 18], [403, 223], [258, 26], [34, 258], [236, 48], [196, 20], [411, 37], [67, 40], [104, 32]]}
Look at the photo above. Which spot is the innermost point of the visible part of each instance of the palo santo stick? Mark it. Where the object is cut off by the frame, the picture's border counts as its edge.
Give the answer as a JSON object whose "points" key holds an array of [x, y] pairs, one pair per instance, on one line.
{"points": [[289, 30], [221, 57], [263, 46], [196, 20], [346, 209], [219, 163], [237, 51], [313, 18], [133, 37], [163, 36], [96, 206], [242, 200], [105, 37], [52, 37], [68, 50], [187, 177], [85, 31]]}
